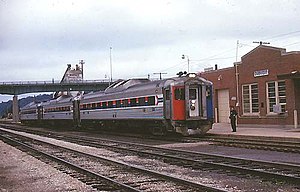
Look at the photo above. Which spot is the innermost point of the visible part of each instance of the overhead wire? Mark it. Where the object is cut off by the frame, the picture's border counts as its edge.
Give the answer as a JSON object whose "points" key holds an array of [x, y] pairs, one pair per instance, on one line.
{"points": [[192, 60], [212, 57], [292, 44], [282, 35]]}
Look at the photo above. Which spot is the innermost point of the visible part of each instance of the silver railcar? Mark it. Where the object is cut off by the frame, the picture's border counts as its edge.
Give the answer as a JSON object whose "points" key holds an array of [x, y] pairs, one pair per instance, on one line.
{"points": [[179, 104]]}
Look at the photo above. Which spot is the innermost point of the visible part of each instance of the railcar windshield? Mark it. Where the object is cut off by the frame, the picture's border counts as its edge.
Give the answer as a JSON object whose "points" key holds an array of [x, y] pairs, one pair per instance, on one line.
{"points": [[179, 94], [192, 94]]}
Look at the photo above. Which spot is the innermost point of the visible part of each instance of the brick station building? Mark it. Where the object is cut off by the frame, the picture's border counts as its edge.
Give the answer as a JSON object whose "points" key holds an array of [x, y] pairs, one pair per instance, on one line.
{"points": [[264, 88]]}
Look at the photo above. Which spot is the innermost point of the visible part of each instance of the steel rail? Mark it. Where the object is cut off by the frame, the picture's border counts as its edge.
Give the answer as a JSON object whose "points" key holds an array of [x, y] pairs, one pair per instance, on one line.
{"points": [[93, 176], [281, 171], [263, 168], [265, 143], [184, 182]]}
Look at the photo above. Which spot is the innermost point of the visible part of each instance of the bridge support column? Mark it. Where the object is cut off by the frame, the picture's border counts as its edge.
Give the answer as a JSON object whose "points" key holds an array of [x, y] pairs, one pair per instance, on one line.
{"points": [[15, 109]]}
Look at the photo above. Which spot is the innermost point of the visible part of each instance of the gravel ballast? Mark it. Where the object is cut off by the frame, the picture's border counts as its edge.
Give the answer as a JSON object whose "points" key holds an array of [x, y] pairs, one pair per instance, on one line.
{"points": [[22, 172]]}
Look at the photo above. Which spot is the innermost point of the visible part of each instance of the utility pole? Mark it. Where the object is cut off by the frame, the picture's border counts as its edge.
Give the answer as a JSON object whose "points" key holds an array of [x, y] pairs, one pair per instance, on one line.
{"points": [[237, 51], [237, 104], [159, 74], [110, 61], [261, 42], [188, 60]]}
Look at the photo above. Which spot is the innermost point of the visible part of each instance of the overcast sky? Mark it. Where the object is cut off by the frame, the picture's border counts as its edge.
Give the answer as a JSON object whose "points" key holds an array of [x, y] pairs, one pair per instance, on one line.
{"points": [[38, 38]]}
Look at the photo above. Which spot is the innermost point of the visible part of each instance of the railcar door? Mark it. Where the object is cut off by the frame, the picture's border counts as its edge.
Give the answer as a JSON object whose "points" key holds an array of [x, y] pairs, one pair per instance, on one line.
{"points": [[40, 113], [178, 103], [194, 101], [76, 113], [167, 103]]}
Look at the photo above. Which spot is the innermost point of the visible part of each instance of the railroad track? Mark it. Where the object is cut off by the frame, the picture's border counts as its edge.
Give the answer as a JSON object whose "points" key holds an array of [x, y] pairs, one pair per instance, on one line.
{"points": [[253, 143], [91, 178], [240, 141], [102, 173], [249, 169], [285, 172]]}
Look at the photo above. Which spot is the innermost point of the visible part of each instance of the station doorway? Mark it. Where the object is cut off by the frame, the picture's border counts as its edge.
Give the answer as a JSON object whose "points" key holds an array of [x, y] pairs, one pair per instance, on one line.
{"points": [[223, 105]]}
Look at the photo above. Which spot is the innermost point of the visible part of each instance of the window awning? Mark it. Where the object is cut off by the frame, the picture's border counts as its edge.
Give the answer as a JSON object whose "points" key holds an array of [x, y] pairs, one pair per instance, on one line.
{"points": [[292, 75]]}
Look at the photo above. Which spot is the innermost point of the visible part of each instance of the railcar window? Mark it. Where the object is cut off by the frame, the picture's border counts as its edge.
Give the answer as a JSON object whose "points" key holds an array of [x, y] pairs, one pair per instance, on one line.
{"points": [[179, 94], [110, 104], [151, 100], [118, 103], [132, 102], [126, 103], [192, 94], [208, 92], [141, 101]]}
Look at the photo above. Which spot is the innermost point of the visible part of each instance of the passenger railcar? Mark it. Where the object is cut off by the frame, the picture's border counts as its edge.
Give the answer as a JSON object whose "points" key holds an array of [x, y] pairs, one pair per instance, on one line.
{"points": [[179, 104]]}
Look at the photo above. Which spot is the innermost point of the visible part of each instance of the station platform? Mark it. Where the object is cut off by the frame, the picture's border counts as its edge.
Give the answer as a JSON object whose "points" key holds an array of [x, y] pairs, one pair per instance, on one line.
{"points": [[248, 131]]}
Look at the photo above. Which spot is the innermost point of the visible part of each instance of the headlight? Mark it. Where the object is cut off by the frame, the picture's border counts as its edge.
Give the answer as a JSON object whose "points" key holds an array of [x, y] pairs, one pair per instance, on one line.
{"points": [[192, 105], [192, 75]]}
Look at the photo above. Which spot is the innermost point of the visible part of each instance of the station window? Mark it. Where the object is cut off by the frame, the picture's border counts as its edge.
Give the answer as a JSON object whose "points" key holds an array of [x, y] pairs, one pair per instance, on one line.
{"points": [[250, 98], [276, 95]]}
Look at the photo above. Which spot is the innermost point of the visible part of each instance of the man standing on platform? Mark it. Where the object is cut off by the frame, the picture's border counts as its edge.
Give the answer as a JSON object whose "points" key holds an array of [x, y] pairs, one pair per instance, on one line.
{"points": [[232, 118]]}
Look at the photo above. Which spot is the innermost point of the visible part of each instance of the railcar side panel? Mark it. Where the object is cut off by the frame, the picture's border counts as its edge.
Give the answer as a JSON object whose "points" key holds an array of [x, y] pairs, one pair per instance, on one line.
{"points": [[58, 115]]}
